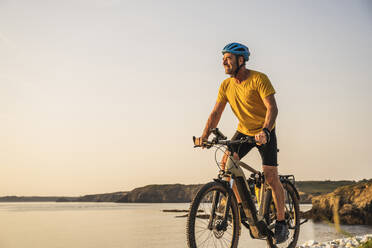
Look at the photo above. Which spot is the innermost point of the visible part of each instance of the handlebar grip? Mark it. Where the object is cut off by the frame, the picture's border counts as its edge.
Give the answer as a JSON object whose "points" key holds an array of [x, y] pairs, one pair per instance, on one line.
{"points": [[205, 144], [193, 139], [251, 140]]}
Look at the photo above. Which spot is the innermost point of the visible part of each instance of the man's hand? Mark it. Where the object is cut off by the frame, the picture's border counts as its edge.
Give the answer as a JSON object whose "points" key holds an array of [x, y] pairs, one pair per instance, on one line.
{"points": [[200, 141], [261, 138]]}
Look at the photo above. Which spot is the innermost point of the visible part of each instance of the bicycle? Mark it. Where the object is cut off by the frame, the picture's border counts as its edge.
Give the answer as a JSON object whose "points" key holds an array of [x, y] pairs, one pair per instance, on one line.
{"points": [[215, 217]]}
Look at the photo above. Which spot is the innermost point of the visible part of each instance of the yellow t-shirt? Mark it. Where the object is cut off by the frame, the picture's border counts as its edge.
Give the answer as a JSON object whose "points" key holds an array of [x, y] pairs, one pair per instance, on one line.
{"points": [[246, 100]]}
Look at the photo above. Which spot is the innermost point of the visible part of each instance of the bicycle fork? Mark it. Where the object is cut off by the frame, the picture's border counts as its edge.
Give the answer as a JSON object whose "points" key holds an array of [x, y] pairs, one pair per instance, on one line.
{"points": [[216, 199]]}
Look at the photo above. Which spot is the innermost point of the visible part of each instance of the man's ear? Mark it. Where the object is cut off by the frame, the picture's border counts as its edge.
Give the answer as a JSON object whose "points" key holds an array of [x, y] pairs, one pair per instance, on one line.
{"points": [[240, 60]]}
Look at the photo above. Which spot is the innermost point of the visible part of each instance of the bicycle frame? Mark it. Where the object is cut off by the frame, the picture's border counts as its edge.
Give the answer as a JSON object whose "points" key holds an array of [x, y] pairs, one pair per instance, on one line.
{"points": [[256, 221]]}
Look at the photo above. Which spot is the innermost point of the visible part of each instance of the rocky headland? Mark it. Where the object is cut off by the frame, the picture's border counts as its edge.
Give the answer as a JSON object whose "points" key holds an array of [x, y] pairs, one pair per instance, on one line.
{"points": [[29, 198], [309, 189], [350, 204], [167, 193], [108, 197], [354, 198]]}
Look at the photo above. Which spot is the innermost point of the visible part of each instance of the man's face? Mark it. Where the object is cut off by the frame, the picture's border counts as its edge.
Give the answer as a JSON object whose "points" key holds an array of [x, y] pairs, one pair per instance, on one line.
{"points": [[229, 63]]}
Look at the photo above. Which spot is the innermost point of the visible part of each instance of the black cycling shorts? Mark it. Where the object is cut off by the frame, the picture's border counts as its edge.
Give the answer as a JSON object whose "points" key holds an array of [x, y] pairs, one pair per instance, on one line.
{"points": [[268, 152]]}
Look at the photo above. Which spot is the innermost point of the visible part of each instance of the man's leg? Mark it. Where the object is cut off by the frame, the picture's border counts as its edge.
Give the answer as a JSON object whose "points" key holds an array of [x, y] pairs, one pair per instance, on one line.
{"points": [[269, 155], [272, 177], [223, 164], [281, 228]]}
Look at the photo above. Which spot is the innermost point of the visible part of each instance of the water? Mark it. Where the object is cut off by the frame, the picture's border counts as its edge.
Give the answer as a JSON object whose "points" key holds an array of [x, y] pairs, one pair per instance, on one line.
{"points": [[111, 225]]}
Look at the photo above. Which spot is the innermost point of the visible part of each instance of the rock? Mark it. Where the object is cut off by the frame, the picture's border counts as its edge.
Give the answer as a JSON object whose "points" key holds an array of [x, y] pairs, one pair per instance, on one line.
{"points": [[107, 197], [358, 238], [352, 203], [364, 239], [337, 243], [349, 245], [175, 210], [162, 193], [311, 243], [182, 216]]}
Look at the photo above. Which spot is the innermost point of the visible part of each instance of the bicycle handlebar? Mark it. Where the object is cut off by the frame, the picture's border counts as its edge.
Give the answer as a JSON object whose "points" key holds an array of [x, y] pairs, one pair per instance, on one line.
{"points": [[220, 139]]}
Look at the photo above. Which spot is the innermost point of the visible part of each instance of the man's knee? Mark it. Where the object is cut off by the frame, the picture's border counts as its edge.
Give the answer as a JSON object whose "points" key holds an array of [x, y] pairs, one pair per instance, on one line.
{"points": [[236, 156], [225, 158]]}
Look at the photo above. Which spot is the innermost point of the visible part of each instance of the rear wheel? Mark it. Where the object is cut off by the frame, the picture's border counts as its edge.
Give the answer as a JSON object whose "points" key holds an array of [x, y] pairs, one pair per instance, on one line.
{"points": [[292, 217], [206, 231]]}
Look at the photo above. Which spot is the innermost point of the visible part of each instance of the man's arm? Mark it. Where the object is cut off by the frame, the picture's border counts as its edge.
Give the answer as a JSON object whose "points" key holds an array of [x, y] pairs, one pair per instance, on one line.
{"points": [[271, 114], [212, 122]]}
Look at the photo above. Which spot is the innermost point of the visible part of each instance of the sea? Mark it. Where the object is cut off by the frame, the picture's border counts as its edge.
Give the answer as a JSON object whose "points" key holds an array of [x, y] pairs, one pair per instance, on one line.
{"points": [[119, 225]]}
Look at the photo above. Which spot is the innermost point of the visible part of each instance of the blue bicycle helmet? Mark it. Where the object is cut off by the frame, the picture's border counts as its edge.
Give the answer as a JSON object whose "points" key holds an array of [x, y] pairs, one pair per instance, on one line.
{"points": [[237, 49]]}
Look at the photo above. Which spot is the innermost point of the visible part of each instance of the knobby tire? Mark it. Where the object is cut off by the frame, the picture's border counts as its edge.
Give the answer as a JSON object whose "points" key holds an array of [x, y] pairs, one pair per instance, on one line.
{"points": [[197, 232], [292, 213]]}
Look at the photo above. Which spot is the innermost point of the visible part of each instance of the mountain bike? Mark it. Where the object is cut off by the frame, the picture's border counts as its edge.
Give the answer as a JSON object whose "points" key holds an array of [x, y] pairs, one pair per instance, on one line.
{"points": [[215, 216]]}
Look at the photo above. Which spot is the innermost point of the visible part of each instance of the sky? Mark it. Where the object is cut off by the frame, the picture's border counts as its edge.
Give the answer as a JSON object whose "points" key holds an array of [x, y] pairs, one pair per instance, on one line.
{"points": [[105, 95]]}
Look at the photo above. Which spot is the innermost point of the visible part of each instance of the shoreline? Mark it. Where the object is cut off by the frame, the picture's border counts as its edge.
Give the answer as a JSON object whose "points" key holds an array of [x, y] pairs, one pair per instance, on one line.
{"points": [[348, 242]]}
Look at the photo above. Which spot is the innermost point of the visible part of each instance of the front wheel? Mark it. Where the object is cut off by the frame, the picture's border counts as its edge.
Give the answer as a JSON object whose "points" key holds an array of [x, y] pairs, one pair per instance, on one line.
{"points": [[292, 217], [205, 224]]}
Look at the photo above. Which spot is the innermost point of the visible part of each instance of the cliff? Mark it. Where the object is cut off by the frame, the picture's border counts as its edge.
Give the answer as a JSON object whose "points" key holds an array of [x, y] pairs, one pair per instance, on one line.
{"points": [[185, 193], [107, 197], [28, 198], [162, 193], [177, 193], [349, 204], [310, 189]]}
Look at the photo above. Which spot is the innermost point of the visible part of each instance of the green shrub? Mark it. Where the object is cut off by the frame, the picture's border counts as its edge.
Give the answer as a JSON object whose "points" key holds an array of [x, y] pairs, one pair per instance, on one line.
{"points": [[367, 244]]}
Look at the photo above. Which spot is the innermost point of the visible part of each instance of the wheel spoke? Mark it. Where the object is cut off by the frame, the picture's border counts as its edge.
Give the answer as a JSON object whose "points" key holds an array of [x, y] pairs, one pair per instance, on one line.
{"points": [[202, 244]]}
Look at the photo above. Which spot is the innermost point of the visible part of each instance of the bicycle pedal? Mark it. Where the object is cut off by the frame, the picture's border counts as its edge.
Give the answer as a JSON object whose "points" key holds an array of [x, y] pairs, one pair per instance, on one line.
{"points": [[253, 231]]}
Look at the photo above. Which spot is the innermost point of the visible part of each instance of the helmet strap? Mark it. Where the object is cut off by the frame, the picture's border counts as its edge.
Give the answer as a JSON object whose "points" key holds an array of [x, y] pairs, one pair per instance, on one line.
{"points": [[237, 65]]}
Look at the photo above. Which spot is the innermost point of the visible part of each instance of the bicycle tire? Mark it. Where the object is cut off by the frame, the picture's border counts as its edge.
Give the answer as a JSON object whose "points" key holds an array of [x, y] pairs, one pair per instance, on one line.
{"points": [[197, 232], [292, 214]]}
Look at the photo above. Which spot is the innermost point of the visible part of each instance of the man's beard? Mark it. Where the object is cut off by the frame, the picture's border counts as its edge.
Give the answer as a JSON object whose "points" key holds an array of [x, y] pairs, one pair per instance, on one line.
{"points": [[229, 71]]}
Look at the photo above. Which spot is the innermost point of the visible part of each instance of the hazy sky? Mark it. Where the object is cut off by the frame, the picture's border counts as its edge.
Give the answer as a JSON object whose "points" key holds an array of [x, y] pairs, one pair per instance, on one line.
{"points": [[103, 96]]}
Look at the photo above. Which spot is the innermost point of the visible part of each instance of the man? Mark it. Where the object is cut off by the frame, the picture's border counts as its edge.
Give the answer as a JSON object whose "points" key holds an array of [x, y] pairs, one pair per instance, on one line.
{"points": [[251, 97]]}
